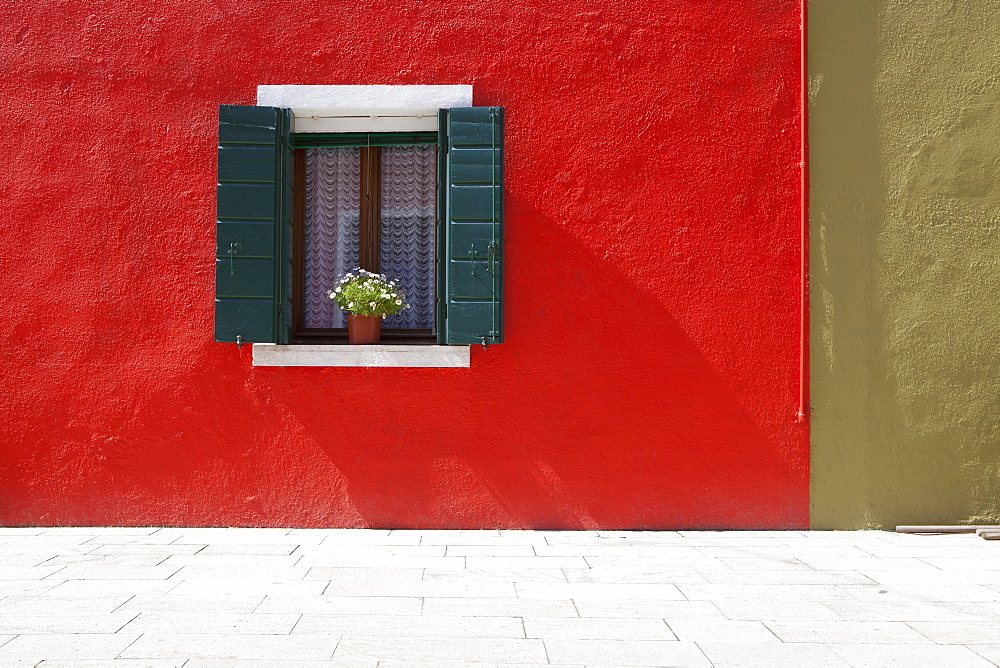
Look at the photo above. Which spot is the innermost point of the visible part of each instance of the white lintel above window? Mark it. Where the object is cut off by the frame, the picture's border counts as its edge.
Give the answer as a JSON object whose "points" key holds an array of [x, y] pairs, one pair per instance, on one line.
{"points": [[364, 108]]}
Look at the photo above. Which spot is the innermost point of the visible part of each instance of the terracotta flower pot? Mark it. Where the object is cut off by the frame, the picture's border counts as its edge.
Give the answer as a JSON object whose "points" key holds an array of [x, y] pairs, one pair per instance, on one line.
{"points": [[363, 329]]}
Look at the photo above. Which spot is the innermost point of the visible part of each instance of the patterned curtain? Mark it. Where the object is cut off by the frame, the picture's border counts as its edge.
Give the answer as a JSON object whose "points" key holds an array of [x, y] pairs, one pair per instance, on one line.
{"points": [[406, 252], [333, 201]]}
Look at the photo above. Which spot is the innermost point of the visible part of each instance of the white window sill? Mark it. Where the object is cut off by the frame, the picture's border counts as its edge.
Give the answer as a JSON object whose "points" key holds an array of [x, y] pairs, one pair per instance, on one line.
{"points": [[271, 354]]}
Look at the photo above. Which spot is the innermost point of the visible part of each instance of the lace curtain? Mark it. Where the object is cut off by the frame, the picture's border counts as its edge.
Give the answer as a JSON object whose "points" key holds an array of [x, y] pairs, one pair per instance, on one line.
{"points": [[333, 208], [406, 254]]}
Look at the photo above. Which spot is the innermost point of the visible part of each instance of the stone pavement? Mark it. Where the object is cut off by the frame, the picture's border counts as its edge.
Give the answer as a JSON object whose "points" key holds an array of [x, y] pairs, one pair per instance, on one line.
{"points": [[310, 597]]}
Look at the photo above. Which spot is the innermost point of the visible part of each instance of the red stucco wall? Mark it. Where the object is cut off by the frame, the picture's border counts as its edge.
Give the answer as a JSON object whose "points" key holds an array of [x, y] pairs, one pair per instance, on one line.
{"points": [[649, 377]]}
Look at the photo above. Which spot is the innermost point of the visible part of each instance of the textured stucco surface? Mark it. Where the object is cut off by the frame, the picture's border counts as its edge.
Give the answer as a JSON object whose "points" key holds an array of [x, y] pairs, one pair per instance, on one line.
{"points": [[905, 161], [649, 374]]}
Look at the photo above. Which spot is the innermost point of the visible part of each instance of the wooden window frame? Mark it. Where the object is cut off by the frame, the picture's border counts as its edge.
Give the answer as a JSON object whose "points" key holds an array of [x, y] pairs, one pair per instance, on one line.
{"points": [[369, 234]]}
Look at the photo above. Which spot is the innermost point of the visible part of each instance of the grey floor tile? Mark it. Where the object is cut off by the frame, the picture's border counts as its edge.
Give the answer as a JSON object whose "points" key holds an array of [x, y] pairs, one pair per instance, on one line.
{"points": [[191, 603], [596, 628], [384, 561], [368, 537], [91, 588], [725, 653], [66, 646], [101, 531], [240, 597], [640, 608], [55, 620], [847, 632], [934, 577], [236, 548], [990, 652], [424, 588], [984, 563], [625, 652], [165, 550], [464, 537], [411, 626], [487, 650], [577, 537], [342, 605], [714, 629], [113, 663], [499, 607], [28, 559], [234, 587], [22, 531], [960, 633], [211, 622], [951, 656], [231, 646], [29, 605], [98, 571], [18, 588], [776, 610], [497, 575], [127, 539], [588, 590], [785, 592], [620, 549], [365, 576], [905, 611], [487, 563], [274, 663], [866, 563], [636, 576], [923, 593], [221, 572], [230, 560], [789, 577], [490, 551], [317, 553], [108, 560], [778, 552], [27, 572], [758, 564]]}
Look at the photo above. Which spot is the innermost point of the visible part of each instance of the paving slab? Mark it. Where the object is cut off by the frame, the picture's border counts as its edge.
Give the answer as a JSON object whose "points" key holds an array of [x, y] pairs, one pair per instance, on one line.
{"points": [[440, 649], [316, 597]]}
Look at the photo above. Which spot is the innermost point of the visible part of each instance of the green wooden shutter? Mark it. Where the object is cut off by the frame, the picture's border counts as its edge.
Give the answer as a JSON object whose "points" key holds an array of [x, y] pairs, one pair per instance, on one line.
{"points": [[253, 215], [471, 226]]}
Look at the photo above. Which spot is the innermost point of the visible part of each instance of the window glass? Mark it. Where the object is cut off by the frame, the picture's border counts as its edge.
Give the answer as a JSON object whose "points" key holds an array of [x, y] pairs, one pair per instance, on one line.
{"points": [[332, 213], [406, 250]]}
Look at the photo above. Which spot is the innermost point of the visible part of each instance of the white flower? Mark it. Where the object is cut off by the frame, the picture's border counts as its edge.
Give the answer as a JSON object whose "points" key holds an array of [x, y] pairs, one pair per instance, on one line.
{"points": [[372, 304], [399, 301], [337, 290]]}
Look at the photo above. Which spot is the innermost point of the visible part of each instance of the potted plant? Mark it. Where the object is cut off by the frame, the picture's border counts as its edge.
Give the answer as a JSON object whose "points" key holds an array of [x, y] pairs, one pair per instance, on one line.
{"points": [[366, 298]]}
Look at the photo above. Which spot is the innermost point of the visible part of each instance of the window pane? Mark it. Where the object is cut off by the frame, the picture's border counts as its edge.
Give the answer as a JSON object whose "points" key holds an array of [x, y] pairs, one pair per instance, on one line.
{"points": [[331, 229], [406, 253]]}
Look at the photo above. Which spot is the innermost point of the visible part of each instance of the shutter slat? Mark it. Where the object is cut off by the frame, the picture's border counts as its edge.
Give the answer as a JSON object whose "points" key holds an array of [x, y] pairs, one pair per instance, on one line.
{"points": [[473, 226], [251, 214]]}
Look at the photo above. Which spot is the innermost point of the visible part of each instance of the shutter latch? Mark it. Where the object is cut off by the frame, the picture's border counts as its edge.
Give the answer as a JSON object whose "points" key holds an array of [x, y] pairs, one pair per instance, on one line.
{"points": [[239, 341], [492, 255]]}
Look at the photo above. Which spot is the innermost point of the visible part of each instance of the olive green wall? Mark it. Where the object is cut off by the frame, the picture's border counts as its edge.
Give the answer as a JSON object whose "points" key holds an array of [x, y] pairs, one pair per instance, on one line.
{"points": [[905, 211]]}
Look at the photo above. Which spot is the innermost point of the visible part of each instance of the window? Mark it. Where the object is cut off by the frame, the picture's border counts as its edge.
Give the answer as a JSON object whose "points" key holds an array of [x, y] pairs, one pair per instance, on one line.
{"points": [[364, 200], [429, 206]]}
